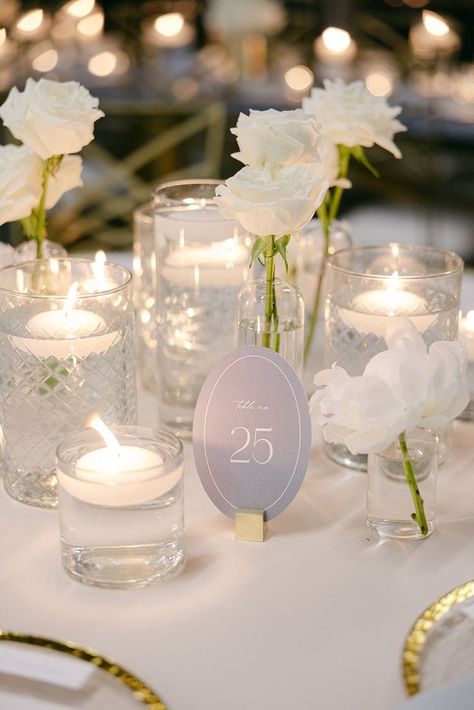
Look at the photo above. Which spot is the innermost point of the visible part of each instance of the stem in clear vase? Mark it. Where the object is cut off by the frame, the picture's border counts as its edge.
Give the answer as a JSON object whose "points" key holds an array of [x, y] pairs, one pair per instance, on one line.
{"points": [[419, 514], [271, 312]]}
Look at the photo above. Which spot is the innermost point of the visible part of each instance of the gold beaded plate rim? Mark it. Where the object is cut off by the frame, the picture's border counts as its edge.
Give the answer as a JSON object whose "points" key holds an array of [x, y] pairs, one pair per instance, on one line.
{"points": [[419, 631], [139, 691]]}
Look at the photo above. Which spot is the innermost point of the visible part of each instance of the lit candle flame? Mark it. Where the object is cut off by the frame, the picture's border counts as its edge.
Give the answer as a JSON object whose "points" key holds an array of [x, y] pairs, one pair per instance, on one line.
{"points": [[98, 269], [392, 290], [71, 298], [110, 440], [170, 24], [80, 8]]}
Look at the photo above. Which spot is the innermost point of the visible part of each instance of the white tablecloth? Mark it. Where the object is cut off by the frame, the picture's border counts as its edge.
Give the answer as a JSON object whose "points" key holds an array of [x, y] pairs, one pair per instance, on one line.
{"points": [[315, 617]]}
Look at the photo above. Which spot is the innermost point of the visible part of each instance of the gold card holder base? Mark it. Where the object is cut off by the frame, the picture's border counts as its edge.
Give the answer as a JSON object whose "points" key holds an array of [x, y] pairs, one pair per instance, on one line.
{"points": [[250, 525]]}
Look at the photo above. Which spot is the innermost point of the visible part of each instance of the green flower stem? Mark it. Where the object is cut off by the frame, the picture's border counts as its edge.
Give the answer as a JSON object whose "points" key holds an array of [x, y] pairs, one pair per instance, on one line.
{"points": [[322, 214], [271, 313], [327, 213], [419, 514], [40, 231]]}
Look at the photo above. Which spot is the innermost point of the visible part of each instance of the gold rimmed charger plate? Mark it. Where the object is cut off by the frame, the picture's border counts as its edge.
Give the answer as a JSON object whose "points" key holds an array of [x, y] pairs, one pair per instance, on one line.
{"points": [[138, 690], [417, 636]]}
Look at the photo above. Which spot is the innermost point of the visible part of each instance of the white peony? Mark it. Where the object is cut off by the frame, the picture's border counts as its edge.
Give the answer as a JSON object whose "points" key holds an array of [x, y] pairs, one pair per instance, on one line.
{"points": [[402, 387], [20, 182], [65, 178], [351, 116], [52, 118], [360, 412], [277, 137], [272, 201]]}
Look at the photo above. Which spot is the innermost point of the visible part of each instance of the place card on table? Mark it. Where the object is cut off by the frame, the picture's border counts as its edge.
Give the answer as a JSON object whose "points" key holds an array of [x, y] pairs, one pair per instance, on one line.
{"points": [[252, 437]]}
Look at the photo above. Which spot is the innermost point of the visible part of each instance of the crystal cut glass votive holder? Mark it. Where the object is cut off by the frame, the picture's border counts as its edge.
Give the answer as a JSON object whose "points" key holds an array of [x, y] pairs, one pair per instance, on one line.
{"points": [[366, 287], [390, 506], [121, 512], [66, 350]]}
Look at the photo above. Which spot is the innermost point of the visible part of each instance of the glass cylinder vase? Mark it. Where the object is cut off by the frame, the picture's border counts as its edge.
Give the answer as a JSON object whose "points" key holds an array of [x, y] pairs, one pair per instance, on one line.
{"points": [[202, 265], [366, 287], [390, 505], [284, 332], [121, 514], [66, 351], [144, 294]]}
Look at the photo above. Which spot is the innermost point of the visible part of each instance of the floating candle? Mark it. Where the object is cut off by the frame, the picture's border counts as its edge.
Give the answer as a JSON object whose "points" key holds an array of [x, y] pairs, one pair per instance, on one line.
{"points": [[66, 331], [116, 475]]}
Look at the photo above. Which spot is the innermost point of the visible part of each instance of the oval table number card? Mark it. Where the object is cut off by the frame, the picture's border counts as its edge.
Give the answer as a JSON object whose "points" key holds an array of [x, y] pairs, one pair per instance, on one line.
{"points": [[252, 437]]}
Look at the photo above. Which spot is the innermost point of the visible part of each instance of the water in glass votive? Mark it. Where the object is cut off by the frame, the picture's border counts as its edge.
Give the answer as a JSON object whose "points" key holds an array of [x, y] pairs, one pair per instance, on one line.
{"points": [[290, 339], [197, 327], [122, 546], [353, 336]]}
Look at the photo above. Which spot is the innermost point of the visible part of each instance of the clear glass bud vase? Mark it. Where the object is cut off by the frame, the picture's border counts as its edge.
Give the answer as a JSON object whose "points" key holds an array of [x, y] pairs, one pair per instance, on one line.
{"points": [[284, 331], [390, 504]]}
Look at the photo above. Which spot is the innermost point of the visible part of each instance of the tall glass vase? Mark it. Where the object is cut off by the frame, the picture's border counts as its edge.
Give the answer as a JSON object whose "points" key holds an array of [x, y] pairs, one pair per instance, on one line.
{"points": [[283, 333], [66, 351], [202, 265], [366, 287], [144, 294]]}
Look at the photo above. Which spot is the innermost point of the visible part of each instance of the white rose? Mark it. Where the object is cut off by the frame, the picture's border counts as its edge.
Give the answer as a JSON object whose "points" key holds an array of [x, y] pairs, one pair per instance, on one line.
{"points": [[350, 115], [52, 118], [328, 164], [20, 182], [66, 177], [272, 201], [277, 137]]}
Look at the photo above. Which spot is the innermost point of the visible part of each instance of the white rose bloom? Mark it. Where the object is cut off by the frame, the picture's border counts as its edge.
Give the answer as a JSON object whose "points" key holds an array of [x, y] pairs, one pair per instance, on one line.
{"points": [[449, 394], [328, 164], [20, 182], [51, 117], [272, 201], [67, 177], [350, 115], [277, 137]]}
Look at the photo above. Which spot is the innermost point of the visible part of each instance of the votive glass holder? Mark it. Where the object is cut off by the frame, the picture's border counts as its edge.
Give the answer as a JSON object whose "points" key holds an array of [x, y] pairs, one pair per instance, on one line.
{"points": [[203, 262], [367, 287], [66, 351], [390, 506], [121, 512]]}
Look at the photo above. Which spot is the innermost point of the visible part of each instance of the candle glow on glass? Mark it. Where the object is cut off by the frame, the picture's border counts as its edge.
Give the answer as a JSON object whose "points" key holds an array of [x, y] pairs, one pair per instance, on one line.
{"points": [[379, 84], [3, 36], [99, 281]]}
